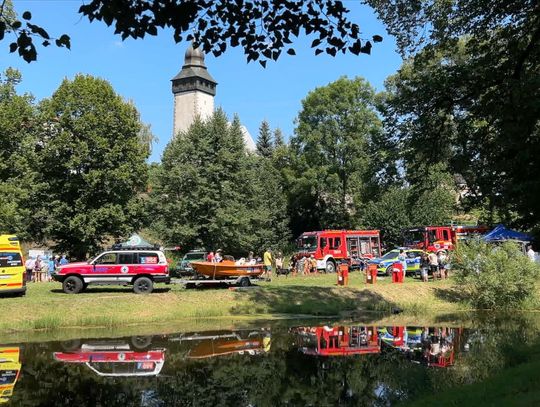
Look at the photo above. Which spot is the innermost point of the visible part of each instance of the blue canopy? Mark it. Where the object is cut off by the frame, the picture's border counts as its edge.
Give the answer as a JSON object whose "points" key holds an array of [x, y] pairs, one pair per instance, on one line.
{"points": [[502, 233]]}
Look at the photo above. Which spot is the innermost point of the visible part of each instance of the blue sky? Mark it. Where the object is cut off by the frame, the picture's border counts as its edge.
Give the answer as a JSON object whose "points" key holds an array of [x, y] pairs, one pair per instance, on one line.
{"points": [[140, 70]]}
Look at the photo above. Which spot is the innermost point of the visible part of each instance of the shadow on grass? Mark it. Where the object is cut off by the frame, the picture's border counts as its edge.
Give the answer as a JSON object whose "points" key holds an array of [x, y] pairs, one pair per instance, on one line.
{"points": [[111, 290], [302, 300], [453, 294]]}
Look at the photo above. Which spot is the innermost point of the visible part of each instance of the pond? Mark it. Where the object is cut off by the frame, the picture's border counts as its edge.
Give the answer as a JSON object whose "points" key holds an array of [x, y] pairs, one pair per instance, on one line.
{"points": [[296, 363]]}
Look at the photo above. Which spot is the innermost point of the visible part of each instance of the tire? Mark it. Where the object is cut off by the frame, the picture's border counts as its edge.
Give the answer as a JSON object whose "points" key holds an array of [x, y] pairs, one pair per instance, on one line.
{"points": [[388, 271], [72, 285], [244, 282], [141, 342], [143, 285], [71, 345], [330, 267]]}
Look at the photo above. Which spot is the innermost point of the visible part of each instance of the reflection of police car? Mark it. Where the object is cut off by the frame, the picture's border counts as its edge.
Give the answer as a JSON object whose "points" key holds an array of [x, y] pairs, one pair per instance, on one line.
{"points": [[384, 263]]}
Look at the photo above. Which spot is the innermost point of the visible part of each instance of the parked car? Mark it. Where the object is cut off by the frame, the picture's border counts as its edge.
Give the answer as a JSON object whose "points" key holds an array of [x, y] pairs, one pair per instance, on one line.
{"points": [[140, 267], [385, 262], [184, 268]]}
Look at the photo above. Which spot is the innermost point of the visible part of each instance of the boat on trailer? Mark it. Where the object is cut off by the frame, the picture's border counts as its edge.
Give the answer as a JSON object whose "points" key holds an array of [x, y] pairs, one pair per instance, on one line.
{"points": [[227, 269]]}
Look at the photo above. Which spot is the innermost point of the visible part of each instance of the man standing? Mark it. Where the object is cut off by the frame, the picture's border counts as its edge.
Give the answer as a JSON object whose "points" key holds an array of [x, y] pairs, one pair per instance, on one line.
{"points": [[433, 264], [267, 260], [29, 266], [531, 254]]}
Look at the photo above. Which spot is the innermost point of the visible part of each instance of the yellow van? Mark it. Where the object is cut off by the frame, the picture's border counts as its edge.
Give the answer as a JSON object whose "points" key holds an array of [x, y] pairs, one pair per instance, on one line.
{"points": [[12, 271], [10, 367]]}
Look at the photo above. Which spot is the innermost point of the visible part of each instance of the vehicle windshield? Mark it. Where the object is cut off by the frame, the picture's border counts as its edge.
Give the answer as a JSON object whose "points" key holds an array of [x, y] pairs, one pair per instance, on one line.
{"points": [[307, 242], [392, 254], [194, 256], [413, 237], [10, 259]]}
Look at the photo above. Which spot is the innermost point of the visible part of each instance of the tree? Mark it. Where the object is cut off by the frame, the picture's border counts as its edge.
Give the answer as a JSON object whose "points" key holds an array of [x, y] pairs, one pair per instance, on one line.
{"points": [[330, 149], [263, 29], [264, 140], [278, 138], [24, 32], [469, 97], [17, 142], [232, 202], [91, 165]]}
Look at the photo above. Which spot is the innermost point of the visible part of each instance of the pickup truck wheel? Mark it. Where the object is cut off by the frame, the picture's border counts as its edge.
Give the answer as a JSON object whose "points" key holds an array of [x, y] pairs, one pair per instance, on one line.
{"points": [[143, 285], [72, 285]]}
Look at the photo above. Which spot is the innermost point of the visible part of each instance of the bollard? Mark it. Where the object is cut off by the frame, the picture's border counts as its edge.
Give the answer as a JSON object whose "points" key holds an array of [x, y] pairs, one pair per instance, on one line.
{"points": [[371, 274], [343, 274], [397, 273]]}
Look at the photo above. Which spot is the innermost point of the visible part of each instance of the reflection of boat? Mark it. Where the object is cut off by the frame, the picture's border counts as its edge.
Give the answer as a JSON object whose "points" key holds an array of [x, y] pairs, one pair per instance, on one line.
{"points": [[227, 269], [338, 341], [220, 343], [10, 368], [116, 360]]}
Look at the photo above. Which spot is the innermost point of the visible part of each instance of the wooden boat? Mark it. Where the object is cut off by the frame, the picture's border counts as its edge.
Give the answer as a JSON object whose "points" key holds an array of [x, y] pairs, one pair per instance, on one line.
{"points": [[227, 269]]}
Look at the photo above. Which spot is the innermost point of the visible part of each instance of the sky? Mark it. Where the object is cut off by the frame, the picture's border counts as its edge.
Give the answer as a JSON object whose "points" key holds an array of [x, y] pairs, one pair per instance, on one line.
{"points": [[141, 70]]}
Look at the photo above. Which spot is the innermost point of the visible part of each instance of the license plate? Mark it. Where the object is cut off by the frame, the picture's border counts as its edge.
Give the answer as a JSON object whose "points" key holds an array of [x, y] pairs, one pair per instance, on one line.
{"points": [[3, 276]]}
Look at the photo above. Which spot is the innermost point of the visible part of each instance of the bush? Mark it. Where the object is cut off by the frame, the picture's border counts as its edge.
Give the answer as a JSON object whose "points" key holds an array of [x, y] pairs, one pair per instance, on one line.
{"points": [[494, 276]]}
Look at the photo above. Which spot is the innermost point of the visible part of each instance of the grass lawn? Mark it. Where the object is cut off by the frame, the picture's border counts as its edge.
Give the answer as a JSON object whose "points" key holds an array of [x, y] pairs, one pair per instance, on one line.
{"points": [[46, 307]]}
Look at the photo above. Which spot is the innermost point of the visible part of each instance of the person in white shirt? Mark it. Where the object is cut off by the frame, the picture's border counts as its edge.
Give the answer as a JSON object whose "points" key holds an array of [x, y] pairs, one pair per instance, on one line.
{"points": [[531, 254]]}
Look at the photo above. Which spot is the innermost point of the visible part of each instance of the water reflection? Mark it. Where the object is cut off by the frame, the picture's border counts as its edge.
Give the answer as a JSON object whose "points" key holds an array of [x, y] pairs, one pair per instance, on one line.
{"points": [[10, 368], [320, 365]]}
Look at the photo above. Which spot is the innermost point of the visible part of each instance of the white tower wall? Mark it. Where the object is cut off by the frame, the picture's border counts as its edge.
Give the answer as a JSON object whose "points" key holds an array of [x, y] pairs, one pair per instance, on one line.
{"points": [[189, 105]]}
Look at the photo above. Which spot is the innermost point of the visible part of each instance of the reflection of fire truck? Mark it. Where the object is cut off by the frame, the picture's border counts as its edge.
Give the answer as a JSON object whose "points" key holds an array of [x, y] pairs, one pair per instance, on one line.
{"points": [[338, 340], [330, 246], [439, 238], [115, 359], [10, 368]]}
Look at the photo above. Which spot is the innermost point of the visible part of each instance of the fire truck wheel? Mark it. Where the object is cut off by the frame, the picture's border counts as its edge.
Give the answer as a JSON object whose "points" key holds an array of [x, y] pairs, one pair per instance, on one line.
{"points": [[143, 285], [72, 285], [330, 266]]}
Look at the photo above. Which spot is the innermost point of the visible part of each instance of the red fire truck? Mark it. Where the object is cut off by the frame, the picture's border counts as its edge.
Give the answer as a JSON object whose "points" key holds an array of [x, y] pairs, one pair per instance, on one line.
{"points": [[439, 238], [330, 246]]}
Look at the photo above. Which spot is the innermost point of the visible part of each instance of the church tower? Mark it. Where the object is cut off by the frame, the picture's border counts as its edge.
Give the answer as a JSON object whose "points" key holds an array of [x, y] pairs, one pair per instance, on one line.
{"points": [[194, 90]]}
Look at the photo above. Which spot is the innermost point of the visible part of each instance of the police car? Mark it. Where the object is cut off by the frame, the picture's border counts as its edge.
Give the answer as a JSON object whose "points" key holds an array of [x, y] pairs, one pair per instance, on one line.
{"points": [[140, 267], [384, 263]]}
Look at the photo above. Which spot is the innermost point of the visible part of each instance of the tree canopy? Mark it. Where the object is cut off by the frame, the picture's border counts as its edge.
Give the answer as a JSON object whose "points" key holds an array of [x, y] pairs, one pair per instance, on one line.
{"points": [[264, 29]]}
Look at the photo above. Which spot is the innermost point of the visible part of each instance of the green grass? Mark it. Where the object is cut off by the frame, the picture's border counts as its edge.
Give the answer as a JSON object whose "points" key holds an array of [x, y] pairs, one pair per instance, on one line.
{"points": [[45, 307]]}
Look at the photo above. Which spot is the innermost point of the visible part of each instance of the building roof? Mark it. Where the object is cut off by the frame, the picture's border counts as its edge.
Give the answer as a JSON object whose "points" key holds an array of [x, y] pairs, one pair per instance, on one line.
{"points": [[194, 68]]}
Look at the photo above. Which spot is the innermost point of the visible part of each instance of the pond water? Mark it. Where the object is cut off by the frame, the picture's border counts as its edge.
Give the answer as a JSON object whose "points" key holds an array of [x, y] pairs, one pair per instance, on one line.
{"points": [[264, 364]]}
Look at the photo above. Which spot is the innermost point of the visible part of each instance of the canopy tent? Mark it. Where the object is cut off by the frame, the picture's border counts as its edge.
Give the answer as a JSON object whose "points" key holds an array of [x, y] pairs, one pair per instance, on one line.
{"points": [[501, 233], [136, 241]]}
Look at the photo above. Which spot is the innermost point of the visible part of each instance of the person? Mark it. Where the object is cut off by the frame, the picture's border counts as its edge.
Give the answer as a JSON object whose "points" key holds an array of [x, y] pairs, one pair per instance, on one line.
{"points": [[402, 258], [424, 267], [63, 261], [293, 264], [251, 260], [267, 260], [312, 265], [531, 254], [307, 266], [210, 257], [433, 264], [218, 257], [44, 275], [56, 261], [29, 266], [51, 268], [442, 259], [279, 261], [37, 269]]}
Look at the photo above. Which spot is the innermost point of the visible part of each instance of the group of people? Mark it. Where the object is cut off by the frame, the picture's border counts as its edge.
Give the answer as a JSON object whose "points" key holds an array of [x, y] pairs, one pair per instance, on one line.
{"points": [[305, 266], [436, 263], [40, 268]]}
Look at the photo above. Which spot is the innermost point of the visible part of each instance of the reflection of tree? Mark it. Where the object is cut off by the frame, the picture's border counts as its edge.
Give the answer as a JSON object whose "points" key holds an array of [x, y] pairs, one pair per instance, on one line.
{"points": [[283, 376]]}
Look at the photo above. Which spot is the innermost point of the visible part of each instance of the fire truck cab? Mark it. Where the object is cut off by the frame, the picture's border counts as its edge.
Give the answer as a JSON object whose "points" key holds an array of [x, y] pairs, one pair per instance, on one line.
{"points": [[439, 238], [329, 247]]}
